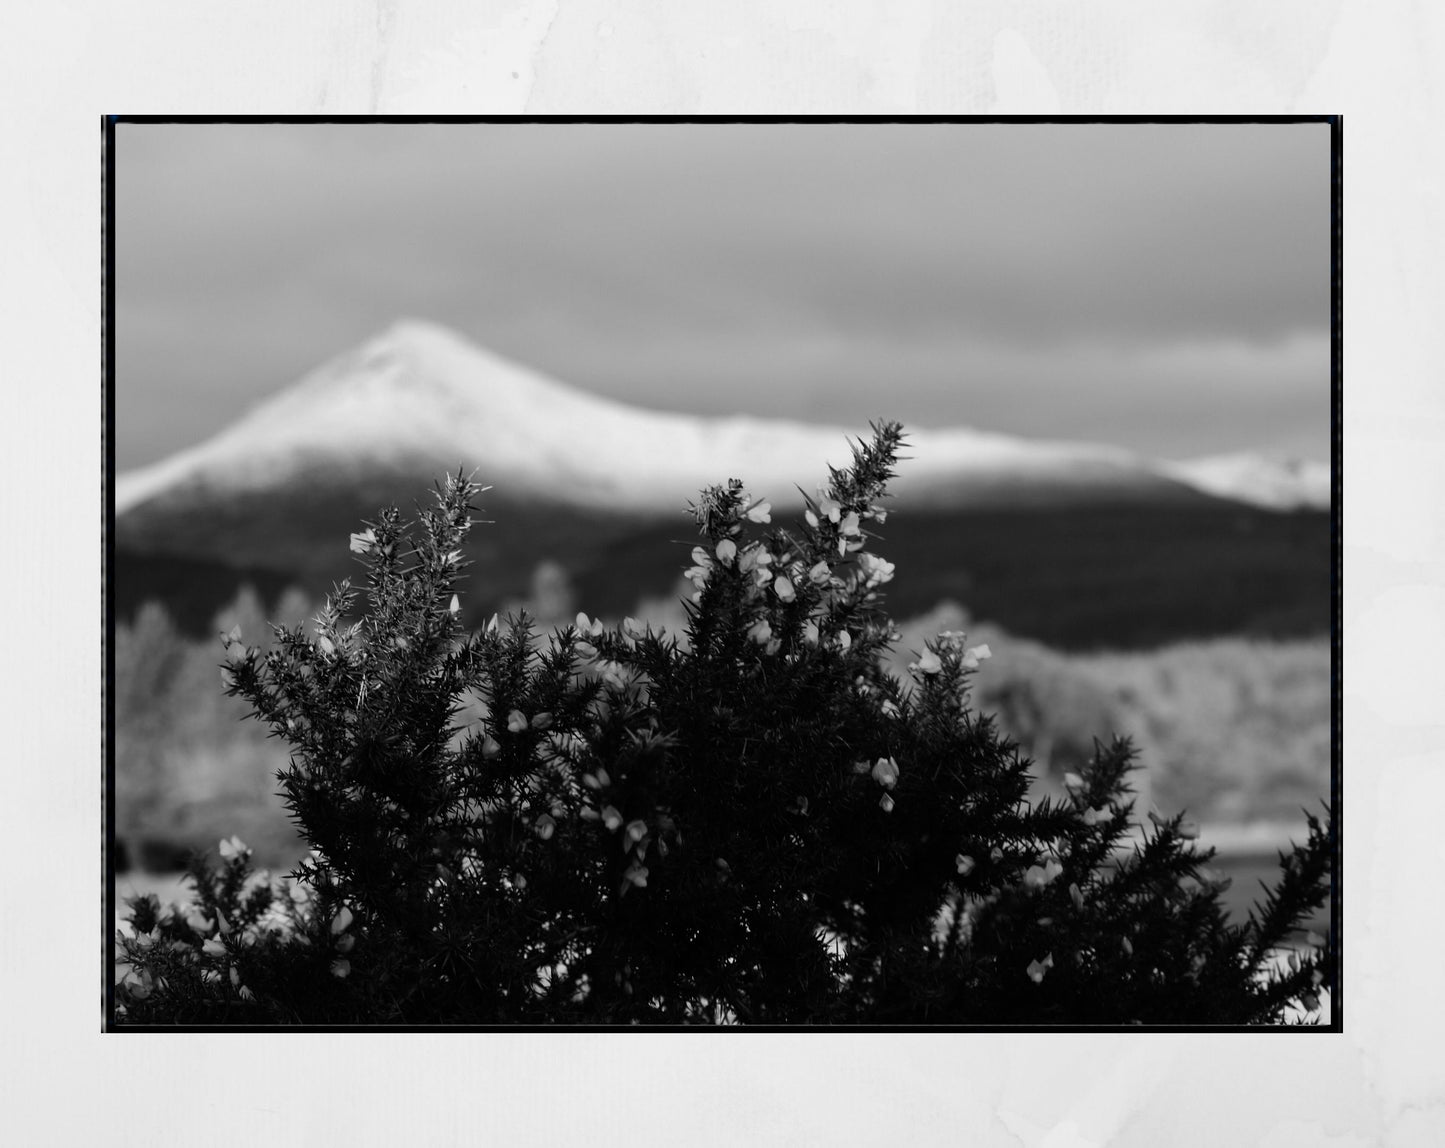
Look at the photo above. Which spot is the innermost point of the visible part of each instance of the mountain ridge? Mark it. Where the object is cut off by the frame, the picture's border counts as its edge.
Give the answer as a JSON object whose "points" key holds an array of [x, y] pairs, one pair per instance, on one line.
{"points": [[420, 398]]}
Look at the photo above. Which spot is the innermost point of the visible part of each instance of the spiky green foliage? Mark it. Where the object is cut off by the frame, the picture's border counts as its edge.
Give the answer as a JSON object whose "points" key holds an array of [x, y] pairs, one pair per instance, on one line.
{"points": [[762, 827]]}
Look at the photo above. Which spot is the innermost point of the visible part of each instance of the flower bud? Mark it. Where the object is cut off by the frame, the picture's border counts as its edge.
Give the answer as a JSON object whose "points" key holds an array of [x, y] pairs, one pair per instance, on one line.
{"points": [[635, 875]]}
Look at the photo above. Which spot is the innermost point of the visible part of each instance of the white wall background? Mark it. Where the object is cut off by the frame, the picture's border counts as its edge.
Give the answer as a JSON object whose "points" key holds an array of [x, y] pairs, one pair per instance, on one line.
{"points": [[1375, 61]]}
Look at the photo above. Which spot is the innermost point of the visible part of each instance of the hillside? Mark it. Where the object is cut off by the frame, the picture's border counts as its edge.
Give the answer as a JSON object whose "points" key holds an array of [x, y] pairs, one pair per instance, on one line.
{"points": [[1075, 544]]}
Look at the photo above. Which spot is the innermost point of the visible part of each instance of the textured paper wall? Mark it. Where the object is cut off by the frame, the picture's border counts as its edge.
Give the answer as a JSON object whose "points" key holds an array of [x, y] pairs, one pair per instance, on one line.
{"points": [[1382, 1082]]}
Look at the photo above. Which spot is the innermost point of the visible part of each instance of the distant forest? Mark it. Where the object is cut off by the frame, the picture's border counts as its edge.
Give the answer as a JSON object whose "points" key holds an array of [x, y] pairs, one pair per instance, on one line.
{"points": [[1079, 579]]}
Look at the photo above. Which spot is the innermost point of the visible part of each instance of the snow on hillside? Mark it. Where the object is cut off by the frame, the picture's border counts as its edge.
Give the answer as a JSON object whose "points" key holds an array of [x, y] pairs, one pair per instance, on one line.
{"points": [[1291, 485], [420, 397]]}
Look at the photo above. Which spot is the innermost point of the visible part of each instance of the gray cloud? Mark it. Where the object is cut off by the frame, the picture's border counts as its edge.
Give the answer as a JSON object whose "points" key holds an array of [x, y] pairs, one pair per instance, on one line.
{"points": [[1160, 286]]}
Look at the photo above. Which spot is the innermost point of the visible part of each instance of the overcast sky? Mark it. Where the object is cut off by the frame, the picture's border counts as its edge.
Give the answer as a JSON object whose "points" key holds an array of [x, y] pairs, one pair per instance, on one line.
{"points": [[1159, 287]]}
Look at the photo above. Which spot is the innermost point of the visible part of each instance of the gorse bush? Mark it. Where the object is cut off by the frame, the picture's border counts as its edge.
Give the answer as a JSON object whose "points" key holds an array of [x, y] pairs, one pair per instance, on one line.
{"points": [[761, 826]]}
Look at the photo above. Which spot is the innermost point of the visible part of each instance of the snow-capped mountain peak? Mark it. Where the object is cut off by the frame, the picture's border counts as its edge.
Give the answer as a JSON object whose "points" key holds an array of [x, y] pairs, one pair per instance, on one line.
{"points": [[419, 398]]}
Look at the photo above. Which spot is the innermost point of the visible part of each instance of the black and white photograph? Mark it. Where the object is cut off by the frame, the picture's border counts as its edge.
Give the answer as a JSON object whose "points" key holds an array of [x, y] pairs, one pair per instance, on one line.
{"points": [[792, 573]]}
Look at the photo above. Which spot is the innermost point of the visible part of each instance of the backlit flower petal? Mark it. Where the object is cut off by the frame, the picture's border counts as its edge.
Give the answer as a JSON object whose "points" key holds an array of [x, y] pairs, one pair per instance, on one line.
{"points": [[929, 662], [759, 513], [636, 875]]}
